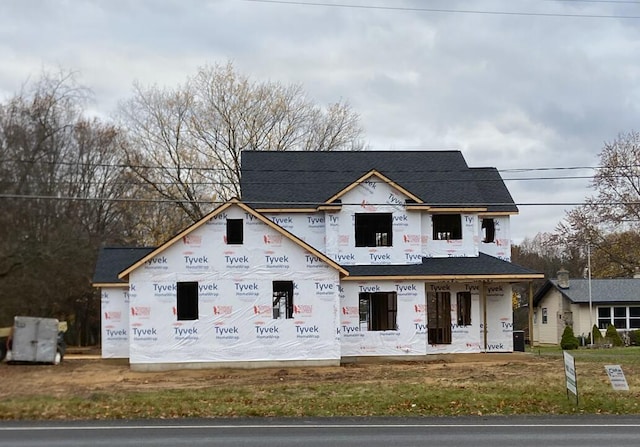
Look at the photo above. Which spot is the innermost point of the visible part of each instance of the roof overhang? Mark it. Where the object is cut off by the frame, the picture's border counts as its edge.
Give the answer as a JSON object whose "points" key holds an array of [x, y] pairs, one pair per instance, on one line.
{"points": [[445, 278], [367, 176], [107, 285]]}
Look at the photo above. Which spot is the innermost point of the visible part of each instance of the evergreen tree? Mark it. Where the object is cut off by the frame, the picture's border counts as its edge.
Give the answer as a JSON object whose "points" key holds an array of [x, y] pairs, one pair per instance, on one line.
{"points": [[598, 339], [612, 336], [569, 340]]}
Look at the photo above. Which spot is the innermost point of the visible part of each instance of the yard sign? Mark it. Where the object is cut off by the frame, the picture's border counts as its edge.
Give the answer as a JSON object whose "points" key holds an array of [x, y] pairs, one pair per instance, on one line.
{"points": [[570, 373], [616, 377]]}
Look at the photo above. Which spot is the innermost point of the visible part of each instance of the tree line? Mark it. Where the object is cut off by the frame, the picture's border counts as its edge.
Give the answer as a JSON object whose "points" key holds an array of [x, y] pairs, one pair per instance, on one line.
{"points": [[70, 183], [604, 232]]}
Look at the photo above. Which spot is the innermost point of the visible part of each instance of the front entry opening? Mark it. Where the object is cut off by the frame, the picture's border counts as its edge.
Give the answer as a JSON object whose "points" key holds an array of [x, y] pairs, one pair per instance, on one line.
{"points": [[439, 318]]}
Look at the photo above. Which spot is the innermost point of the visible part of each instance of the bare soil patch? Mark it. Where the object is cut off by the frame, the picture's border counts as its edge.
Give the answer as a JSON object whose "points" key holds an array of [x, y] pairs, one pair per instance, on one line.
{"points": [[83, 375]]}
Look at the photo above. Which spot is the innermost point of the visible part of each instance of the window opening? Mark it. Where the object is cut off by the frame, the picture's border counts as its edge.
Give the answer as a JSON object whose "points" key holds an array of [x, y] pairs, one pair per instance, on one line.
{"points": [[463, 308], [235, 231], [439, 317], [187, 300], [282, 299], [544, 315], [447, 226], [378, 311], [488, 230], [374, 230]]}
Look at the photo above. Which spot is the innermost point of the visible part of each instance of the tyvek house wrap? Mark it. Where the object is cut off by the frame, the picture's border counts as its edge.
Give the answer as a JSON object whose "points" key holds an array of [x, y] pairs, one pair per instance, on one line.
{"points": [[114, 304], [410, 336], [235, 286], [412, 240], [500, 247]]}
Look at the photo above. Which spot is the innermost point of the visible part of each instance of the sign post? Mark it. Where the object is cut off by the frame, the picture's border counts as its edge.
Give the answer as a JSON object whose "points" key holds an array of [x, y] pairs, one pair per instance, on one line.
{"points": [[616, 377], [570, 374]]}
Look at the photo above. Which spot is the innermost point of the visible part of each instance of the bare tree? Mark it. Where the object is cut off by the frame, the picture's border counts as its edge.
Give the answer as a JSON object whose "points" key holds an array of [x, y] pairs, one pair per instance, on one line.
{"points": [[61, 176], [609, 221], [186, 143], [161, 149]]}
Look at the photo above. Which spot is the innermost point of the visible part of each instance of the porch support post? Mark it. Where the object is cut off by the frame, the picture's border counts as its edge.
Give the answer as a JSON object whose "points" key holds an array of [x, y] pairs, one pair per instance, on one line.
{"points": [[530, 314], [483, 297]]}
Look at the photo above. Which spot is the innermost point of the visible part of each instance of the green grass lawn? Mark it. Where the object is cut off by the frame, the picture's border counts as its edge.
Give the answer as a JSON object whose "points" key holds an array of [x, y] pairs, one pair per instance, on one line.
{"points": [[535, 386]]}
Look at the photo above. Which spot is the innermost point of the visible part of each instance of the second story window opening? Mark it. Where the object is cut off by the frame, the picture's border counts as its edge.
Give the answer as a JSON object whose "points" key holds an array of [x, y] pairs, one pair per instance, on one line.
{"points": [[447, 227], [374, 230], [488, 230]]}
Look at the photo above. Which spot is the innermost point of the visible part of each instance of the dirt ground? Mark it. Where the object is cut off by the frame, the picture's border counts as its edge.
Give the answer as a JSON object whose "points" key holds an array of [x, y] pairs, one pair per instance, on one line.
{"points": [[85, 374]]}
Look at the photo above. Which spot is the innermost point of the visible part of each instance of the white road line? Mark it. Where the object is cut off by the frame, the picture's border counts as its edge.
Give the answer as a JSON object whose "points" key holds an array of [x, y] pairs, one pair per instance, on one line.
{"points": [[294, 426]]}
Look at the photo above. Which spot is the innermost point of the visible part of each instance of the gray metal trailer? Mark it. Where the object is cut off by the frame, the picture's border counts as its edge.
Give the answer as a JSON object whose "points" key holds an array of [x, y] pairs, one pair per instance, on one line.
{"points": [[35, 340]]}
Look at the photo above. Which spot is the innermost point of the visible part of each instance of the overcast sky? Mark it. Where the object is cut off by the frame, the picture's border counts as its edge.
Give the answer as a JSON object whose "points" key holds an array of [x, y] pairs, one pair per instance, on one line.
{"points": [[511, 83]]}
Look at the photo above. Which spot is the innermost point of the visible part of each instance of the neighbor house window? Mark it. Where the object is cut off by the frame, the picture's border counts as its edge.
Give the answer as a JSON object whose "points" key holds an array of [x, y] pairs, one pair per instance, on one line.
{"points": [[439, 318], [374, 230], [488, 230], [378, 311], [621, 317], [187, 300], [282, 303], [604, 317], [235, 231], [544, 315], [447, 226], [463, 308], [634, 317]]}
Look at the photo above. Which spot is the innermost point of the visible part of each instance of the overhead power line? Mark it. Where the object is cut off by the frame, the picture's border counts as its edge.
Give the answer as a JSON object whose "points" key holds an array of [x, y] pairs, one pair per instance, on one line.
{"points": [[227, 183], [446, 10], [300, 204], [285, 170]]}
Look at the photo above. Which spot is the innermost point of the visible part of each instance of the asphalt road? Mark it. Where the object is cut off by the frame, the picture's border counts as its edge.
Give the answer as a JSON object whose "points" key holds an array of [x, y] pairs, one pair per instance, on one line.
{"points": [[582, 431]]}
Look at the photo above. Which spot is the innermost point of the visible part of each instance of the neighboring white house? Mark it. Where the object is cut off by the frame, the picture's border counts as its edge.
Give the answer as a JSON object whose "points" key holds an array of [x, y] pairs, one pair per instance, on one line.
{"points": [[574, 302], [327, 256]]}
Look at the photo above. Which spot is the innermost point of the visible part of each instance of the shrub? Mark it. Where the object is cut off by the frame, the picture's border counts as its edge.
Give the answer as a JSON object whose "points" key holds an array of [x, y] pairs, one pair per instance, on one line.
{"points": [[634, 337], [612, 336], [598, 340], [569, 341]]}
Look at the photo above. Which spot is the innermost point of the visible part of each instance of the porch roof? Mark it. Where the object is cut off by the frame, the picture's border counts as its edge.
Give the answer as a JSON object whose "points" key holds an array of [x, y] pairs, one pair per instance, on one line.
{"points": [[482, 267]]}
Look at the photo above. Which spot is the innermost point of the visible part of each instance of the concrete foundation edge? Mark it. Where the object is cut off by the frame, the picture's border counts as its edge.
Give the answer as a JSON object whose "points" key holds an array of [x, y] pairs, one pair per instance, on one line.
{"points": [[153, 367]]}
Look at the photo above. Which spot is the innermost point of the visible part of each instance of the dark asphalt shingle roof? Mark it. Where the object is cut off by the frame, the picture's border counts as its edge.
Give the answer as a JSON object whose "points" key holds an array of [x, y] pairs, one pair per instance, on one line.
{"points": [[480, 266], [622, 290], [295, 179], [113, 260]]}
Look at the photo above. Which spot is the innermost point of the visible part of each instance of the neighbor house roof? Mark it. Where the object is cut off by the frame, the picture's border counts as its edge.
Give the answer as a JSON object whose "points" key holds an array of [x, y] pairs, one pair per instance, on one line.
{"points": [[473, 268], [305, 180], [623, 290], [113, 260]]}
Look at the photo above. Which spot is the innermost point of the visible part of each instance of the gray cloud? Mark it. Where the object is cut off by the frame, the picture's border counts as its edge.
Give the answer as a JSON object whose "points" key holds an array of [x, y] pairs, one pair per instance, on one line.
{"points": [[509, 91]]}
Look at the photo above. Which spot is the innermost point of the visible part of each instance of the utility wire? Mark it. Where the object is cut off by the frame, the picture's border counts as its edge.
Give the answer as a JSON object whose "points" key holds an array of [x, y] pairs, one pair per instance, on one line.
{"points": [[448, 11], [286, 170], [256, 204], [227, 183]]}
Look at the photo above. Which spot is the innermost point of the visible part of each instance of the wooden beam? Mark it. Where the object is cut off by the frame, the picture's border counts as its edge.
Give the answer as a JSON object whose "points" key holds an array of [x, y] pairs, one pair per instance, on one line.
{"points": [[530, 314], [483, 298], [469, 278]]}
